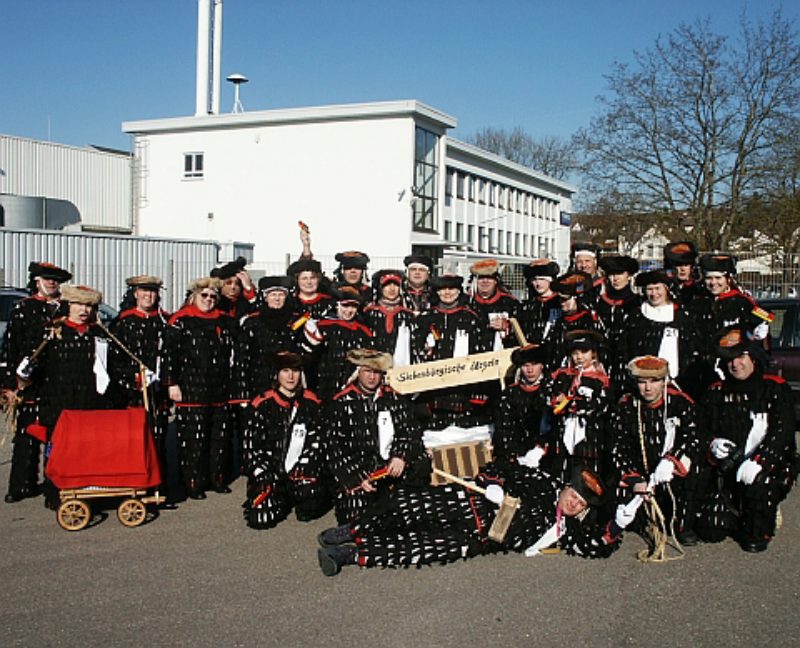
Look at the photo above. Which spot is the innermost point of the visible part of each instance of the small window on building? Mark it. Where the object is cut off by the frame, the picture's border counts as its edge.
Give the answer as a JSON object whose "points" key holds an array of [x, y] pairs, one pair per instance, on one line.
{"points": [[500, 241], [482, 191], [192, 165], [460, 232], [482, 243], [448, 230], [509, 236], [460, 185], [492, 193], [471, 186], [451, 176], [517, 248], [471, 235]]}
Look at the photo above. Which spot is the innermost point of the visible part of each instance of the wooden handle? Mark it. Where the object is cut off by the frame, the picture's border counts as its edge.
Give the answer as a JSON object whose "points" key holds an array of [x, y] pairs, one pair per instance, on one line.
{"points": [[518, 332], [459, 481]]}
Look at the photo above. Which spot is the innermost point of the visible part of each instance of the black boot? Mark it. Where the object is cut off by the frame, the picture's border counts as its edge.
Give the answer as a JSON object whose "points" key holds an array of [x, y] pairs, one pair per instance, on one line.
{"points": [[332, 559], [335, 536]]}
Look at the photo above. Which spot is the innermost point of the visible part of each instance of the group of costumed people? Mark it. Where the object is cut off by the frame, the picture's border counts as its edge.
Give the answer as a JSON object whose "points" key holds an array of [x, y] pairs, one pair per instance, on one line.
{"points": [[633, 395]]}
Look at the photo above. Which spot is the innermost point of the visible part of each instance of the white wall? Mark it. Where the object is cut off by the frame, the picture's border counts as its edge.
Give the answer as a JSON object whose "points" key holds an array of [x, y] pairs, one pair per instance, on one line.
{"points": [[342, 178]]}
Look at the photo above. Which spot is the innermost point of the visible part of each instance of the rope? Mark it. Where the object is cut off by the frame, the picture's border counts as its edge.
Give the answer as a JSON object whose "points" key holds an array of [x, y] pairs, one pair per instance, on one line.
{"points": [[658, 534]]}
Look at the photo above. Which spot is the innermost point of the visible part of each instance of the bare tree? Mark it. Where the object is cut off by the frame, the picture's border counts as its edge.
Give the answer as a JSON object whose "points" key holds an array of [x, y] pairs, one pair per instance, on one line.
{"points": [[550, 155], [692, 126]]}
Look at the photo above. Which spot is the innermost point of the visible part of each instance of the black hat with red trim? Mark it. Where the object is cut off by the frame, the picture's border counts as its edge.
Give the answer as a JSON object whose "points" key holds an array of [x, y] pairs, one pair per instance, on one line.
{"points": [[679, 253], [352, 259], [45, 270], [447, 281], [230, 269]]}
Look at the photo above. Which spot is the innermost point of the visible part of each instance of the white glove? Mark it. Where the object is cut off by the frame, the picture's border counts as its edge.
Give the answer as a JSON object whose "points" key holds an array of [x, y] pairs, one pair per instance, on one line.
{"points": [[761, 331], [150, 377], [311, 327], [430, 341], [747, 472], [531, 458], [664, 472], [721, 448], [495, 494], [25, 368], [627, 512]]}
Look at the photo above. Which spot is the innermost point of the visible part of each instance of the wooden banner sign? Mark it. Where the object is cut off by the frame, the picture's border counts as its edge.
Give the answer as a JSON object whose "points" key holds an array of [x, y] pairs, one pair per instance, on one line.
{"points": [[453, 372]]}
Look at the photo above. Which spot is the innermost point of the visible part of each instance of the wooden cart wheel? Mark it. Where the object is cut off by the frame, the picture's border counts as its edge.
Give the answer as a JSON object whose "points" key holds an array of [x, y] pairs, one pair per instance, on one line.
{"points": [[131, 513], [73, 515]]}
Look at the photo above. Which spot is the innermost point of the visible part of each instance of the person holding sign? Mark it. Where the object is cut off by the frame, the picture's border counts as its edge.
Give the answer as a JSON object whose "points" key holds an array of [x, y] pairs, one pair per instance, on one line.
{"points": [[451, 330], [282, 450], [373, 439]]}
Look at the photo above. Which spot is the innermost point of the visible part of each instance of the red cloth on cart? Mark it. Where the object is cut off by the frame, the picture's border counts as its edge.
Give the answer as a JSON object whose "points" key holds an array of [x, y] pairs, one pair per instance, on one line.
{"points": [[110, 448]]}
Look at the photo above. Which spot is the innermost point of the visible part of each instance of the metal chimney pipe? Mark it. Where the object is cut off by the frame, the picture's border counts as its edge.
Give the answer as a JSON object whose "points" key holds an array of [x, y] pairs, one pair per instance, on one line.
{"points": [[215, 79], [203, 22]]}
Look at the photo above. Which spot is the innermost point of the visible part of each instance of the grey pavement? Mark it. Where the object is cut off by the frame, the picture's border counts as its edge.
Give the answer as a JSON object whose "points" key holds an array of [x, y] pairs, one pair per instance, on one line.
{"points": [[197, 576]]}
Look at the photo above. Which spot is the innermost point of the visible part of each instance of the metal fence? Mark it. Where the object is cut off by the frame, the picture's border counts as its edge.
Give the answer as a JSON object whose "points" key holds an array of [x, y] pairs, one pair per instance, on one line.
{"points": [[105, 261]]}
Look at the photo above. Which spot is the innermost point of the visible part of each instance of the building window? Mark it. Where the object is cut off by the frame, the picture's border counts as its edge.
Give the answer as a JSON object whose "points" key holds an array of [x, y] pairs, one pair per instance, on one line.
{"points": [[482, 244], [500, 241], [492, 241], [460, 185], [517, 248], [471, 235], [425, 172], [509, 236], [192, 165], [481, 191], [492, 193], [460, 232], [471, 186], [448, 230], [451, 177]]}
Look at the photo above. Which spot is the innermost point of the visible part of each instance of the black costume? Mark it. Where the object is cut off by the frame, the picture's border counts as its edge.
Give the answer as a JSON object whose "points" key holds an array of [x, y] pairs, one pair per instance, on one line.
{"points": [[24, 332], [277, 425], [668, 429], [366, 430], [732, 409], [386, 322], [449, 523], [199, 359], [522, 422]]}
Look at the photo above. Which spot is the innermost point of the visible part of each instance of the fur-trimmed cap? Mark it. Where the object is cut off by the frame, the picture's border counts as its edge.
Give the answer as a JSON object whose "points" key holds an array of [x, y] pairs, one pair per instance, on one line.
{"points": [[485, 268], [446, 281], [572, 283], [588, 485], [644, 279], [418, 259], [81, 295], [618, 264], [345, 293], [46, 270], [276, 282], [383, 277], [584, 339], [352, 259], [145, 281], [719, 263], [535, 353], [286, 360], [230, 269], [372, 358], [679, 253], [304, 265], [591, 249], [544, 268], [215, 283], [648, 366]]}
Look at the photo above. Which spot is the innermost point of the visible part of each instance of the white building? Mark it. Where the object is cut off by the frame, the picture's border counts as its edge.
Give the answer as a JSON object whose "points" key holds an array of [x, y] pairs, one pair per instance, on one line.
{"points": [[379, 177]]}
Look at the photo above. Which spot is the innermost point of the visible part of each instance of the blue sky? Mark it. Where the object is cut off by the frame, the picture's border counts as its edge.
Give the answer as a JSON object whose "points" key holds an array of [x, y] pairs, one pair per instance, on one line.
{"points": [[85, 66]]}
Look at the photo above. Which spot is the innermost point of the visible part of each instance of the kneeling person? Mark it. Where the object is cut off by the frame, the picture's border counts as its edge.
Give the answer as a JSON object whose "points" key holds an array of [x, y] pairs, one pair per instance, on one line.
{"points": [[281, 450]]}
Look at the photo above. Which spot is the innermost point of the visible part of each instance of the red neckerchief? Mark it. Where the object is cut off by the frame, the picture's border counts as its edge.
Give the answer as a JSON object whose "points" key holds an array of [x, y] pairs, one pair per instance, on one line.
{"points": [[135, 312], [80, 328], [390, 313], [489, 300], [316, 298], [193, 311], [352, 325]]}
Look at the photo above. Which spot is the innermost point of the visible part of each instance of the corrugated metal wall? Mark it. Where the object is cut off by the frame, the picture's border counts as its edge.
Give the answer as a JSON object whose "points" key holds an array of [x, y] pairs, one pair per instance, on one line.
{"points": [[96, 182], [104, 261]]}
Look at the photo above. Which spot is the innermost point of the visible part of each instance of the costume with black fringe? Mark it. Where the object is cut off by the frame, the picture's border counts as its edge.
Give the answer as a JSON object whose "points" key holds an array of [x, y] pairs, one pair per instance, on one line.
{"points": [[731, 507], [500, 302], [274, 421], [586, 396], [385, 322], [357, 421], [444, 524], [24, 331], [522, 422], [668, 428], [537, 316], [199, 358]]}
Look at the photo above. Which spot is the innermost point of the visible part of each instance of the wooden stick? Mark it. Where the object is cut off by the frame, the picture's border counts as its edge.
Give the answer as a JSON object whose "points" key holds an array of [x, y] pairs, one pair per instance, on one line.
{"points": [[518, 331], [459, 481]]}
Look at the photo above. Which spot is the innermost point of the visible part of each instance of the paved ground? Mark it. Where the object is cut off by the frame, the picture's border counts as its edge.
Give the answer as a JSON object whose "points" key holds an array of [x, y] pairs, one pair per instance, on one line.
{"points": [[196, 576]]}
